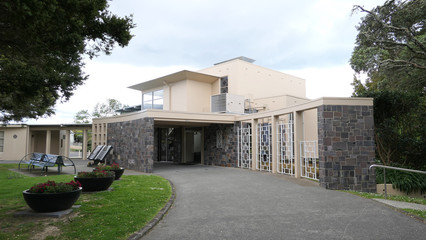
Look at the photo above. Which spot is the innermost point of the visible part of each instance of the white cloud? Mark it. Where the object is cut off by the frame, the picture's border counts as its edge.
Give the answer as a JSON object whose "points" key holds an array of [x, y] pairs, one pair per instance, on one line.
{"points": [[333, 81], [106, 81], [313, 38]]}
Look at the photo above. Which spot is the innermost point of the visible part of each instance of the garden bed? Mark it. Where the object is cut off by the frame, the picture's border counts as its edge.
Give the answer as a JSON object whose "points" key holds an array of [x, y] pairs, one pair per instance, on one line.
{"points": [[103, 215]]}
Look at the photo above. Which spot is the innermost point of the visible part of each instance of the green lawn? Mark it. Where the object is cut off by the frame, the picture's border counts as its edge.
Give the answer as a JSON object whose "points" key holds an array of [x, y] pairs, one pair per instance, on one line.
{"points": [[115, 214]]}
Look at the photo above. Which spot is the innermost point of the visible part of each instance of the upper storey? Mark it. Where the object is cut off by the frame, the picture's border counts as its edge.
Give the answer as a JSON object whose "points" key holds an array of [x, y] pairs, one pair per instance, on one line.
{"points": [[249, 85]]}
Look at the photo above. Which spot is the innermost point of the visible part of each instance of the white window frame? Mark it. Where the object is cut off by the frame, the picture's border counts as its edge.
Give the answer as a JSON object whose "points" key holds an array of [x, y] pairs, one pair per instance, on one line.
{"points": [[1, 141], [153, 99]]}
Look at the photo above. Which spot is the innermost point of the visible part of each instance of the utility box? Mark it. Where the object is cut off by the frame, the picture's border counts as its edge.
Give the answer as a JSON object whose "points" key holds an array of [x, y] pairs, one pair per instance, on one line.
{"points": [[227, 103]]}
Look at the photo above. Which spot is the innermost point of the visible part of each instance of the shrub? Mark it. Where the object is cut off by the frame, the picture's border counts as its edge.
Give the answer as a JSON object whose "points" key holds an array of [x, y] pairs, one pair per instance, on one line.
{"points": [[114, 166], [96, 174], [53, 187], [407, 182]]}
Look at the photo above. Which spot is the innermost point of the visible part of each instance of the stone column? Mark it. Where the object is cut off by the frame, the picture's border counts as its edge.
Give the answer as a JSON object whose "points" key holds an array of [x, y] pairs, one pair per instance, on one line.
{"points": [[346, 147], [202, 146]]}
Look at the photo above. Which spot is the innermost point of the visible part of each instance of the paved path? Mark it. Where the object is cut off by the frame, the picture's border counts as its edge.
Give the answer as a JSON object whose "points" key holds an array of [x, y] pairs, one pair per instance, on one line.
{"points": [[402, 205], [229, 203]]}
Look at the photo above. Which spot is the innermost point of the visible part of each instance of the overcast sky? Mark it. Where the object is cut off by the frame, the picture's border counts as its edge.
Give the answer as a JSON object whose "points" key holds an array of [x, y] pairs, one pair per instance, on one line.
{"points": [[311, 39]]}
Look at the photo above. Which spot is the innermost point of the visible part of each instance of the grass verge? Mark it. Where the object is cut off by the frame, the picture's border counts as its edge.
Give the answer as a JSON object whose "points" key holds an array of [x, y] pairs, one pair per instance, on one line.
{"points": [[115, 214], [418, 213]]}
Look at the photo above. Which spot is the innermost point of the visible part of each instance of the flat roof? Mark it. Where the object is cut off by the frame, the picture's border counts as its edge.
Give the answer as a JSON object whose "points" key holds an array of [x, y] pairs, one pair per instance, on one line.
{"points": [[175, 77]]}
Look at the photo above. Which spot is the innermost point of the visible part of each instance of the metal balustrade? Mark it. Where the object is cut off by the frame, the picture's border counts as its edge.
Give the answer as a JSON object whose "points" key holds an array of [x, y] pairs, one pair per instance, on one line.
{"points": [[394, 168]]}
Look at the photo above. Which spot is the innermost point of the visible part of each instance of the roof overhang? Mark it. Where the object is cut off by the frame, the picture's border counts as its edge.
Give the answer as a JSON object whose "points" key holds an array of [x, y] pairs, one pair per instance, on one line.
{"points": [[175, 77], [71, 126]]}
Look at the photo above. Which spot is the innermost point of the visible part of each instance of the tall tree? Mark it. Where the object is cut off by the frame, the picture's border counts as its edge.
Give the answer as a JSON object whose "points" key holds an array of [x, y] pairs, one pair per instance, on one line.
{"points": [[106, 109], [391, 46], [42, 45], [82, 116], [391, 49]]}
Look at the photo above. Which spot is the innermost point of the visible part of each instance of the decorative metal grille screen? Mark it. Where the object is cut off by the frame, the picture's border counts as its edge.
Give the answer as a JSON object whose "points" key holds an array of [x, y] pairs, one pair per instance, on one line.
{"points": [[244, 143], [285, 154], [264, 156], [219, 138], [309, 160]]}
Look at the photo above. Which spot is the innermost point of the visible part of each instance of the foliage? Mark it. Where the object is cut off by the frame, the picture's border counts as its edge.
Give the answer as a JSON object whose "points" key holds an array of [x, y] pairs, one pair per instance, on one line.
{"points": [[82, 116], [400, 129], [95, 174], [391, 50], [407, 182], [390, 197], [100, 110], [53, 187], [391, 46], [42, 47], [114, 166], [107, 109], [418, 213], [99, 216]]}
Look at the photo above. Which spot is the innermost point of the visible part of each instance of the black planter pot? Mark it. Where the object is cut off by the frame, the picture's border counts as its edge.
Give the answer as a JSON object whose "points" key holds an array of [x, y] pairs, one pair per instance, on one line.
{"points": [[118, 173], [95, 184], [51, 202]]}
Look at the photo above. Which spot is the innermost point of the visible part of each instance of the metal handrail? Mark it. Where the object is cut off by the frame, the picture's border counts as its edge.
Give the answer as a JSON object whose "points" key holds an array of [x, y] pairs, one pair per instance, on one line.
{"points": [[394, 168]]}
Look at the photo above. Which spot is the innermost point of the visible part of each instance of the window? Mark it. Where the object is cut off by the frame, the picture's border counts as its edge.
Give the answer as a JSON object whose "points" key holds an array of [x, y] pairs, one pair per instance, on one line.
{"points": [[153, 100], [1, 141], [224, 85]]}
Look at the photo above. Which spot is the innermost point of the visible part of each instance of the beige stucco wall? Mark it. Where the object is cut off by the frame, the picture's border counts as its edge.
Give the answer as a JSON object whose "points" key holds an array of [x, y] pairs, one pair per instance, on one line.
{"points": [[178, 97], [275, 102], [265, 88], [99, 133], [310, 125], [215, 88], [254, 82], [14, 148], [38, 141], [187, 95], [198, 97]]}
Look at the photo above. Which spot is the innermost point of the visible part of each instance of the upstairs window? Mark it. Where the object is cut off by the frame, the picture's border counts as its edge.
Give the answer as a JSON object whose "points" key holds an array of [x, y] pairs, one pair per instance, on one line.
{"points": [[1, 141], [153, 100], [224, 84]]}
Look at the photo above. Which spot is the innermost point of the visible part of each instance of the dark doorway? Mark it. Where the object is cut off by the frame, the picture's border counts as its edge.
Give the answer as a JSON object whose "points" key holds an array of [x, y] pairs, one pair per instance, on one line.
{"points": [[167, 144]]}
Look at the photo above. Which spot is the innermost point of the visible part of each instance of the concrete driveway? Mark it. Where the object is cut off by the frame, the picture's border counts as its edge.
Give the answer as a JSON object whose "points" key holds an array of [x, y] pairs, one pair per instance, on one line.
{"points": [[229, 203]]}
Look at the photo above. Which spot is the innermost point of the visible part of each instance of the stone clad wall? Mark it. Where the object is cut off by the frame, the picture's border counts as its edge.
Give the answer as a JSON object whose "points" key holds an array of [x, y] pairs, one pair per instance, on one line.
{"points": [[227, 155], [133, 144], [346, 147]]}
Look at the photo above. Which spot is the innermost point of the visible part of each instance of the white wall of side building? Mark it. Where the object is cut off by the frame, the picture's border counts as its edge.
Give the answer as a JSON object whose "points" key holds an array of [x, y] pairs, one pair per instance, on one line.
{"points": [[15, 142]]}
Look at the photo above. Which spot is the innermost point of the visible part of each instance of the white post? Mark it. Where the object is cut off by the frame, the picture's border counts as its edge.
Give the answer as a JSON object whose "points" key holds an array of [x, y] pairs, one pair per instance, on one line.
{"points": [[48, 140], [298, 136], [253, 144], [84, 148]]}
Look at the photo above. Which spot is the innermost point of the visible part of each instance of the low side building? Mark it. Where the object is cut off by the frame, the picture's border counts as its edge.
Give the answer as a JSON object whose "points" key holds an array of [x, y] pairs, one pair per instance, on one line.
{"points": [[18, 140]]}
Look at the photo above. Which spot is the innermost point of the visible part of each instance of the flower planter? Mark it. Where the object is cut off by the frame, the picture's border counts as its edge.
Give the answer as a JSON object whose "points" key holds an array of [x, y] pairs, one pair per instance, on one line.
{"points": [[95, 184], [118, 173], [51, 202]]}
